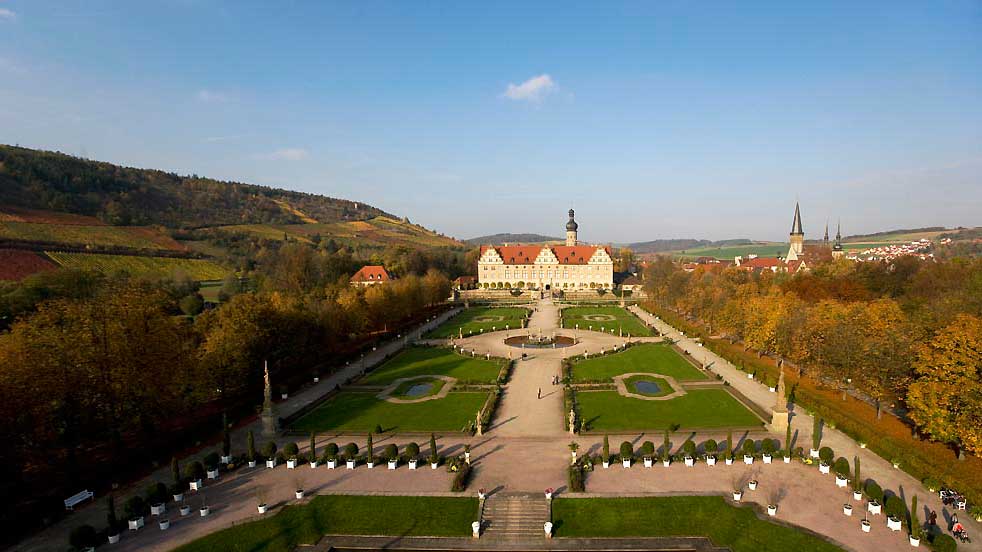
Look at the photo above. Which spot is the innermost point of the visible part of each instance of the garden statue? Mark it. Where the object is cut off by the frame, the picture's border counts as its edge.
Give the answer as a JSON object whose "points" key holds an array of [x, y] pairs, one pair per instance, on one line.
{"points": [[477, 423], [572, 421]]}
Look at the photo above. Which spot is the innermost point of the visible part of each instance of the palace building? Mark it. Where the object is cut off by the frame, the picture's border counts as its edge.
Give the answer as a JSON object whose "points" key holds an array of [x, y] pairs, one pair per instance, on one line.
{"points": [[573, 266]]}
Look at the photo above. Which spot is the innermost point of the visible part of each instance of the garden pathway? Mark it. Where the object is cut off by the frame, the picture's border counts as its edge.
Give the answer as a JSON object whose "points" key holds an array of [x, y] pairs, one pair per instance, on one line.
{"points": [[873, 466]]}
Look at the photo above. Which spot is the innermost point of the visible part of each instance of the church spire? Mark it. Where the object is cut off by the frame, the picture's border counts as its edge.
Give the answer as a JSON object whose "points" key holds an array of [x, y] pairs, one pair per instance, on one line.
{"points": [[826, 238], [796, 224]]}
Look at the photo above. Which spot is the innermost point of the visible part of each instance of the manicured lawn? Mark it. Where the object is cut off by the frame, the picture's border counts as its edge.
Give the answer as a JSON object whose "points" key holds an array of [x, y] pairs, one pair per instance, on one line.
{"points": [[422, 516], [663, 387], [736, 528], [700, 408], [473, 320], [607, 317], [656, 358], [434, 361], [359, 411]]}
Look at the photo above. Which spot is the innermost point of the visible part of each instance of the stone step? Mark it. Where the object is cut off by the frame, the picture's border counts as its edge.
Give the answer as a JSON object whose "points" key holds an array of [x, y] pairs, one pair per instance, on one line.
{"points": [[514, 516]]}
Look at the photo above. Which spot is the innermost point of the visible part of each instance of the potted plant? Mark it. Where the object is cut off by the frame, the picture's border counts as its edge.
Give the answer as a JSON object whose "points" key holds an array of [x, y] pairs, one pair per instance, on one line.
{"points": [[841, 469], [712, 448], [156, 498], [847, 509], [896, 512], [391, 455], [284, 392], [331, 455], [737, 495], [648, 453], [83, 537], [816, 437], [298, 482], [482, 493], [251, 449], [728, 454], [787, 444], [749, 449], [573, 446], [204, 510], [350, 455], [666, 451], [291, 450], [226, 441], [369, 453], [825, 457], [194, 472], [261, 505], [549, 493], [689, 450], [875, 494], [312, 452], [136, 509], [164, 524], [857, 482], [767, 450], [752, 484], [467, 454], [269, 453], [627, 454], [772, 509], [916, 531], [176, 489], [865, 525], [605, 457], [114, 527], [412, 455], [211, 465], [434, 458]]}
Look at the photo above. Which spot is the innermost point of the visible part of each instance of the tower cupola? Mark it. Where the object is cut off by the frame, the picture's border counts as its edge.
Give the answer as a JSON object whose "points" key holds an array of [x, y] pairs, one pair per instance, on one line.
{"points": [[571, 228]]}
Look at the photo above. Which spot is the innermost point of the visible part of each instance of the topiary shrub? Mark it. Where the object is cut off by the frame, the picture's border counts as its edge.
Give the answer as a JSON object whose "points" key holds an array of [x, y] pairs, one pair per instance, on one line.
{"points": [[461, 479], [211, 461], [873, 491], [575, 479], [136, 507], [826, 455], [331, 452], [689, 448], [841, 467], [291, 450], [194, 471], [895, 508], [932, 484], [156, 493], [627, 451], [749, 447], [412, 451], [712, 447], [269, 450], [768, 447], [647, 449], [390, 452], [942, 543], [350, 451], [82, 537]]}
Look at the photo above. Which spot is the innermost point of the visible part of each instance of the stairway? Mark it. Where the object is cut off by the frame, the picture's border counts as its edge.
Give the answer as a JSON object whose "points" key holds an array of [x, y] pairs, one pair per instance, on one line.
{"points": [[515, 516]]}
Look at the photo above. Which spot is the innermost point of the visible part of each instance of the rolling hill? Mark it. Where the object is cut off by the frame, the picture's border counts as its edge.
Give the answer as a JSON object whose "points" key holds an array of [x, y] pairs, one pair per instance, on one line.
{"points": [[499, 239]]}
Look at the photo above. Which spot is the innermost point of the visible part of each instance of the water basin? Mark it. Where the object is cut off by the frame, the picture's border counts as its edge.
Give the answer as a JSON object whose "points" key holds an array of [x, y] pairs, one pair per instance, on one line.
{"points": [[647, 387]]}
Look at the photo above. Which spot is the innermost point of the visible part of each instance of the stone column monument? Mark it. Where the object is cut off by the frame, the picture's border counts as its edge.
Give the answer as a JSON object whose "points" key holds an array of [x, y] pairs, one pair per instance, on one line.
{"points": [[779, 414], [271, 424]]}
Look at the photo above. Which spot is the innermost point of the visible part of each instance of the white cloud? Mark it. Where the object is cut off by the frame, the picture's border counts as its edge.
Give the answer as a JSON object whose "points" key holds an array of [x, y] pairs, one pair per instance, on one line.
{"points": [[7, 14], [532, 90], [210, 96], [288, 154]]}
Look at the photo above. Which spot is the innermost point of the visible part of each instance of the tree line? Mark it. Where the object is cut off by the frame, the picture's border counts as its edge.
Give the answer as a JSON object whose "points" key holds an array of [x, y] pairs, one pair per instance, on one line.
{"points": [[906, 333]]}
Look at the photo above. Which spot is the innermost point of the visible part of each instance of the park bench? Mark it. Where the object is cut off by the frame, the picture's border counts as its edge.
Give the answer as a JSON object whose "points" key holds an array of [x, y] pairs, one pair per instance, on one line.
{"points": [[77, 498]]}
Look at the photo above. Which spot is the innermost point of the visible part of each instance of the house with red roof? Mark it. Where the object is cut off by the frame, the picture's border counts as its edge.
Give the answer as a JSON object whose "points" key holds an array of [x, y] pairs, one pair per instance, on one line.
{"points": [[369, 275]]}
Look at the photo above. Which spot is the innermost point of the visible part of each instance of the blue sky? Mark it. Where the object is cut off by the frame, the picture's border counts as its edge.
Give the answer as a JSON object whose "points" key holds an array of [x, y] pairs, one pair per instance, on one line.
{"points": [[652, 119]]}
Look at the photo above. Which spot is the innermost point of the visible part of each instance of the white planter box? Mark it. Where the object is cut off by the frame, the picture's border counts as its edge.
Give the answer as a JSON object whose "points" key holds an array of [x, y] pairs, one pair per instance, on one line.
{"points": [[711, 460], [262, 508], [606, 464], [847, 509], [369, 465], [212, 474], [772, 390], [894, 524], [787, 459], [284, 396], [252, 463], [164, 524], [648, 462], [813, 453], [136, 523], [841, 481], [748, 459], [331, 464], [737, 495], [729, 461], [916, 543], [299, 494], [350, 464], [433, 465], [412, 464], [157, 509], [666, 463], [185, 510], [226, 459], [772, 510], [752, 485], [313, 465], [866, 526], [856, 495], [690, 461], [392, 464], [113, 539], [291, 464], [875, 508], [768, 458], [179, 497], [824, 468], [204, 511], [196, 485], [750, 376], [626, 463], [270, 464]]}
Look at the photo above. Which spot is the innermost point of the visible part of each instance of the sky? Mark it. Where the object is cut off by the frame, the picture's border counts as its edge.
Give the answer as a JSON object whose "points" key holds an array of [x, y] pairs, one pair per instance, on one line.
{"points": [[652, 119]]}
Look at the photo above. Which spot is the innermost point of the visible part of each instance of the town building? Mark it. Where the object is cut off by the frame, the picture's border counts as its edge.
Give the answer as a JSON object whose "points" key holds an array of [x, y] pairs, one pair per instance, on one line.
{"points": [[573, 266], [369, 275]]}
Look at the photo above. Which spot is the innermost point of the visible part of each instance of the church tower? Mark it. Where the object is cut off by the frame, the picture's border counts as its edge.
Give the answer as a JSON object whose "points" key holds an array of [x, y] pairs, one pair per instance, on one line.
{"points": [[825, 240], [837, 251], [797, 236], [571, 227]]}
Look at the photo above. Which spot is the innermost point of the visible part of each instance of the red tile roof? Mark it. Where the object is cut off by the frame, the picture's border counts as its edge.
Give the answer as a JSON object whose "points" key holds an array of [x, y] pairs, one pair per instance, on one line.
{"points": [[526, 254], [372, 273], [762, 262]]}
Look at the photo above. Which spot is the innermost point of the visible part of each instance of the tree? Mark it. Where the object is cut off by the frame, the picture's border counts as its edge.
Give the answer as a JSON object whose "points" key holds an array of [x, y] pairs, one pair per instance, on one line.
{"points": [[945, 399], [192, 305]]}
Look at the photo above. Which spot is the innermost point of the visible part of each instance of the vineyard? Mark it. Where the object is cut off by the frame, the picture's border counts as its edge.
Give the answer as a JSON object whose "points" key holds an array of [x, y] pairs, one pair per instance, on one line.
{"points": [[380, 231], [196, 269], [73, 234], [16, 264]]}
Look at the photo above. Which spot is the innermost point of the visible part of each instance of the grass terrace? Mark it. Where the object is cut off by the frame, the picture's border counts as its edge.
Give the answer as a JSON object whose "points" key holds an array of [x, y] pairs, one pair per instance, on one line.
{"points": [[294, 526], [736, 528], [359, 411], [656, 358], [434, 361], [698, 409], [475, 319], [607, 317]]}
